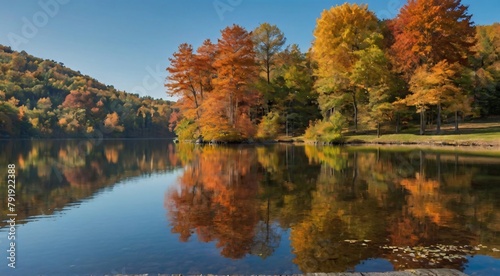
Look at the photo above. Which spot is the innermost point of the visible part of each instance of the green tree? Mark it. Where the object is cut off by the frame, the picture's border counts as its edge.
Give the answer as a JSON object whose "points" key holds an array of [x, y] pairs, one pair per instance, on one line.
{"points": [[485, 70], [372, 75], [268, 40], [300, 105]]}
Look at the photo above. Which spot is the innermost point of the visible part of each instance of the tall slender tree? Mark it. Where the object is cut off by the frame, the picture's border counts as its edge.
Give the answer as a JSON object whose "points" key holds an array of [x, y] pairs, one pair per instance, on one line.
{"points": [[227, 111], [190, 79], [268, 40], [183, 81]]}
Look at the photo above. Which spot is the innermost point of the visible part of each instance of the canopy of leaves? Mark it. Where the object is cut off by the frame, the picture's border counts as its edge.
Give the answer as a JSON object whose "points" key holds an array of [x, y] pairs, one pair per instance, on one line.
{"points": [[429, 31], [347, 50]]}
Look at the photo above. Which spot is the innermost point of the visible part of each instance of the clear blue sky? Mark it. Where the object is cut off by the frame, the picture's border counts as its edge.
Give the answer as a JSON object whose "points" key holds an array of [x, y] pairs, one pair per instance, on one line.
{"points": [[127, 43]]}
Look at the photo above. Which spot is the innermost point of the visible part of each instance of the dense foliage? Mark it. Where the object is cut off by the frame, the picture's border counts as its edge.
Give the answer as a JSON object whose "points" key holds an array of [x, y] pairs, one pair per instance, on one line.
{"points": [[241, 88], [361, 73], [43, 98]]}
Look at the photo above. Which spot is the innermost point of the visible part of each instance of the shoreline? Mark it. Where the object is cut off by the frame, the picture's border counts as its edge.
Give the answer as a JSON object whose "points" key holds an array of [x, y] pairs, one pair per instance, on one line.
{"points": [[347, 141], [456, 144]]}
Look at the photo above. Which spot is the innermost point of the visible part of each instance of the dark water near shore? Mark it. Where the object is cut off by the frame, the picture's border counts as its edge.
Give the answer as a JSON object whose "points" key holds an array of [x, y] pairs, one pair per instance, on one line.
{"points": [[149, 206]]}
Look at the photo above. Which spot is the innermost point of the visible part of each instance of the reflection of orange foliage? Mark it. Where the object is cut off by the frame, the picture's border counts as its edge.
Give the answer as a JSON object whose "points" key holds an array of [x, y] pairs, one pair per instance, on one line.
{"points": [[425, 200], [78, 177], [96, 167], [62, 153], [43, 170], [20, 161], [404, 232], [173, 157], [112, 152], [216, 200], [111, 155]]}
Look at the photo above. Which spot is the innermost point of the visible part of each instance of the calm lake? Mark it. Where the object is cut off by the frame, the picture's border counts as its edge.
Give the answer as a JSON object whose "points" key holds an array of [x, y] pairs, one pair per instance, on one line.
{"points": [[150, 206]]}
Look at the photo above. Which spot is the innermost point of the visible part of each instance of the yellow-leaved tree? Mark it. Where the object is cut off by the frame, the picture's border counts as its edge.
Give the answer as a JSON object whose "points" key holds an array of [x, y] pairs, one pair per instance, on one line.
{"points": [[435, 86], [343, 35]]}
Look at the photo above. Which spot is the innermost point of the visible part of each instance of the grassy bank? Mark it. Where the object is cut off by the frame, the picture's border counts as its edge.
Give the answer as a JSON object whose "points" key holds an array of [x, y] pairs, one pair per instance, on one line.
{"points": [[469, 134], [486, 134]]}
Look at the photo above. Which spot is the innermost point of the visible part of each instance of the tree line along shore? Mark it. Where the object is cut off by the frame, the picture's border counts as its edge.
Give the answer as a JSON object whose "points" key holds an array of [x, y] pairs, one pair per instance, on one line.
{"points": [[429, 71]]}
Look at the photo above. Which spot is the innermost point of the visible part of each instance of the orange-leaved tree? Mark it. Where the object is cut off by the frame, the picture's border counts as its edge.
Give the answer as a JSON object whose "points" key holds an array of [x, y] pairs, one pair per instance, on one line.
{"points": [[189, 79], [226, 113], [429, 31], [431, 36], [434, 86]]}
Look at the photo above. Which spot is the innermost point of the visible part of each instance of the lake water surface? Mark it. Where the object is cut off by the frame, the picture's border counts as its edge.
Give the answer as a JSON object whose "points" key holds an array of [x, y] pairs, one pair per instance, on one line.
{"points": [[150, 206]]}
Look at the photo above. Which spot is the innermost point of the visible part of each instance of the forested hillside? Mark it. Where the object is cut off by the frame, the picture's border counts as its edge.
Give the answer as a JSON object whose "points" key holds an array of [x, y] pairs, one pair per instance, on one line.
{"points": [[43, 98]]}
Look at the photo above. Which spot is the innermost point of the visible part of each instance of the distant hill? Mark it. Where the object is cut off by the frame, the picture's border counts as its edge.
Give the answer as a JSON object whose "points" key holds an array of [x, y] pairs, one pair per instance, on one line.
{"points": [[43, 98]]}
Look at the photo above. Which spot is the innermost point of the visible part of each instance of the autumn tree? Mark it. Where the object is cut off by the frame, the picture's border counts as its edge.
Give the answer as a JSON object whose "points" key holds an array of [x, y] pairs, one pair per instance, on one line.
{"points": [[189, 79], [429, 31], [180, 81], [44, 104], [226, 113], [112, 122], [434, 86], [78, 99], [429, 36], [42, 117], [341, 35]]}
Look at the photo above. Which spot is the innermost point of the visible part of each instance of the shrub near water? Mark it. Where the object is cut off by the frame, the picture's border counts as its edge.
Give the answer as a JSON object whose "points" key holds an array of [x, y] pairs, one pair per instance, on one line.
{"points": [[269, 126], [329, 131], [186, 130]]}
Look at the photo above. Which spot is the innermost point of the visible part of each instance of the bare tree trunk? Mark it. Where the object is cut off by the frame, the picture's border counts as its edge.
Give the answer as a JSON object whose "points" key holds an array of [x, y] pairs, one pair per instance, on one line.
{"points": [[355, 105], [438, 119], [235, 113], [397, 123], [378, 129], [422, 122], [456, 121], [231, 110], [286, 125]]}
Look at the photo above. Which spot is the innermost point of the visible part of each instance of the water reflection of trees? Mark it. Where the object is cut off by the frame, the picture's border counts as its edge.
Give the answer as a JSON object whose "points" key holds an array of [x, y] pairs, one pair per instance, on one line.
{"points": [[342, 204], [238, 197], [54, 173]]}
